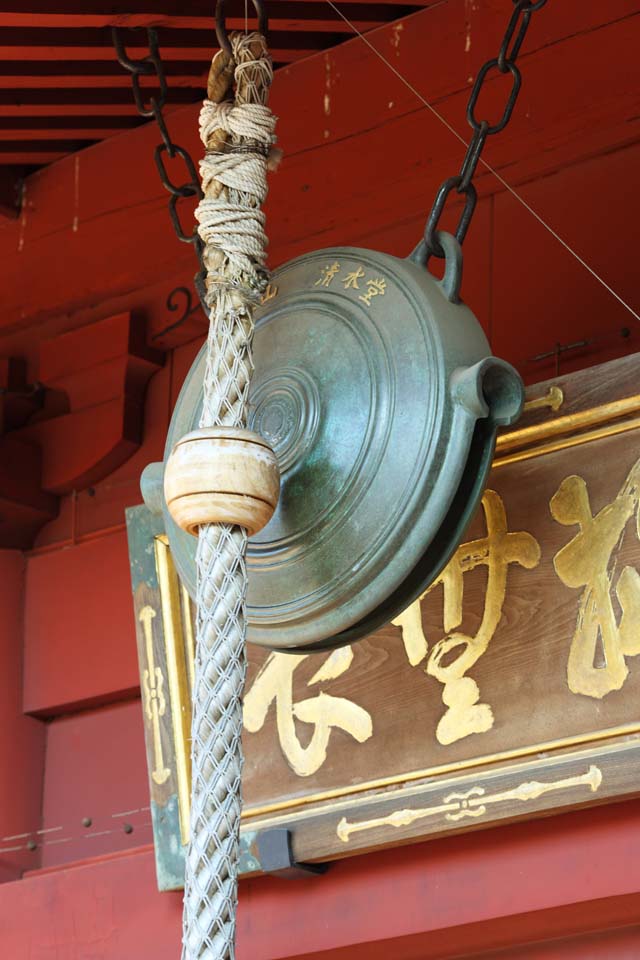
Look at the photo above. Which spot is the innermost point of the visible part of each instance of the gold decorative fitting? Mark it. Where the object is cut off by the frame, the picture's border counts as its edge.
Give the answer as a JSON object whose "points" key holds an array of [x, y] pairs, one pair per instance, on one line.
{"points": [[553, 398], [472, 803], [222, 475]]}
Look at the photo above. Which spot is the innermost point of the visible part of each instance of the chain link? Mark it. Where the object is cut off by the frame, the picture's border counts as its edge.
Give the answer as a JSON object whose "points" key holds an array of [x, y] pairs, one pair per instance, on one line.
{"points": [[463, 185], [151, 66]]}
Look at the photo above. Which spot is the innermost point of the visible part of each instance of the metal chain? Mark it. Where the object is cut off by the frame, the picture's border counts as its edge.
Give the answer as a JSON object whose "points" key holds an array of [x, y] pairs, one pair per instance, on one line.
{"points": [[151, 66], [463, 185]]}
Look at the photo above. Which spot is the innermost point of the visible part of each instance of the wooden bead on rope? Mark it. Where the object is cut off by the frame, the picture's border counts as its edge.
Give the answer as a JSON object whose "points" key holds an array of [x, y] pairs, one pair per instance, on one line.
{"points": [[222, 475]]}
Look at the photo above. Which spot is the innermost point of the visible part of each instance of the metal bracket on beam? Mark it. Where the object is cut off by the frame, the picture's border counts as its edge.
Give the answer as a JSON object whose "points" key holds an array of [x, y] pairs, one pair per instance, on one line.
{"points": [[276, 856]]}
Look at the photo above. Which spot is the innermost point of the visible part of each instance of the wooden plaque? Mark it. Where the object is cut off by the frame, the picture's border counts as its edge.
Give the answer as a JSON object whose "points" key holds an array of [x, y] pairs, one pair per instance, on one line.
{"points": [[509, 690]]}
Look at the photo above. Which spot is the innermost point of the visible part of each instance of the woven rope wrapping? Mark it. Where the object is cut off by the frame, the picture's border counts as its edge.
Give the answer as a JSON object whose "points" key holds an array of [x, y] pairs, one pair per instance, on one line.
{"points": [[238, 136]]}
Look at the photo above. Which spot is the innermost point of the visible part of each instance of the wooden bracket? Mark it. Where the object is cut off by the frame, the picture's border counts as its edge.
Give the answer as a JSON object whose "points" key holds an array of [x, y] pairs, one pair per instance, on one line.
{"points": [[84, 419]]}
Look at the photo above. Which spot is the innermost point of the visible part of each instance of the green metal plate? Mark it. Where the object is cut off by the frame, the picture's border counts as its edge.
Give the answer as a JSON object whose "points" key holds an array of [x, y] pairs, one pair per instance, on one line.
{"points": [[359, 387]]}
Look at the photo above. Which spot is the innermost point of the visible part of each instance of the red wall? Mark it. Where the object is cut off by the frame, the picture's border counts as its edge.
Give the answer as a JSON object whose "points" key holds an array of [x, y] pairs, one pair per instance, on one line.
{"points": [[70, 725]]}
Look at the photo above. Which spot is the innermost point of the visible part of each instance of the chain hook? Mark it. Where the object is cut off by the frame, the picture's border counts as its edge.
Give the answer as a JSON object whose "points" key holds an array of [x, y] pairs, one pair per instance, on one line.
{"points": [[221, 27]]}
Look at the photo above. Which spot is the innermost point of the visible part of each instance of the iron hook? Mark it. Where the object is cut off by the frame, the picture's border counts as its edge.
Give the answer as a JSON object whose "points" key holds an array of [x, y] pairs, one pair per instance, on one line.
{"points": [[221, 28]]}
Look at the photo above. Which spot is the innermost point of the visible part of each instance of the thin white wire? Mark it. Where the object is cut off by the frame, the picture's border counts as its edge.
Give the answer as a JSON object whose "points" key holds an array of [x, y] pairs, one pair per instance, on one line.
{"points": [[491, 170]]}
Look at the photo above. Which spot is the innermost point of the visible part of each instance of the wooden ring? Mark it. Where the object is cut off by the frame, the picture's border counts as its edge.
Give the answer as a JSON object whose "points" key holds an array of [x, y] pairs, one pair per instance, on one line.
{"points": [[222, 475]]}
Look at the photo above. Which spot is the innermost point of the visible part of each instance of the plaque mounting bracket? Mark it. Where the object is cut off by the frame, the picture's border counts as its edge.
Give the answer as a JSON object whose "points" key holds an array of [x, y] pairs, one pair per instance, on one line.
{"points": [[275, 853]]}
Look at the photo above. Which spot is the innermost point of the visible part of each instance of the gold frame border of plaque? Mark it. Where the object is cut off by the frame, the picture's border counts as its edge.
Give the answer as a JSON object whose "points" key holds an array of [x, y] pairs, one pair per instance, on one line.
{"points": [[506, 692]]}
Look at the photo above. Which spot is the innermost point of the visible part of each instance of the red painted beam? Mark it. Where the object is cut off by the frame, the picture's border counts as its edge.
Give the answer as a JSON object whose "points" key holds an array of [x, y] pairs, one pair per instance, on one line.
{"points": [[174, 8], [558, 878], [189, 32], [49, 126], [283, 14], [111, 94], [58, 132], [34, 158], [74, 80], [614, 944], [35, 146], [102, 71], [53, 110], [64, 54]]}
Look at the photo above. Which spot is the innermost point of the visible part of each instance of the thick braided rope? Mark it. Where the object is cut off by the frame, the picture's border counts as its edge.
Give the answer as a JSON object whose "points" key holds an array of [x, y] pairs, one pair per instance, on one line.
{"points": [[238, 136]]}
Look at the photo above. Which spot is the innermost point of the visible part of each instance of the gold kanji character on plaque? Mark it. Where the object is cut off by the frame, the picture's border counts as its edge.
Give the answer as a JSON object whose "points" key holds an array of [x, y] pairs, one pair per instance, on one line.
{"points": [[274, 684], [375, 288], [327, 274], [350, 281], [457, 652], [589, 561]]}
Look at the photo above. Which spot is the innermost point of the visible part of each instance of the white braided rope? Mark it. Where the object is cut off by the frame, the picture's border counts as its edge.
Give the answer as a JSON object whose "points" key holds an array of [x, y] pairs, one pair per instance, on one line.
{"points": [[232, 227]]}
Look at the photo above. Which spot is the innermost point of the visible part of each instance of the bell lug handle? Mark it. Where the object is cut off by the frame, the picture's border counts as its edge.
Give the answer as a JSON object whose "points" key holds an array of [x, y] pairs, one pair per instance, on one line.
{"points": [[466, 390], [452, 279], [503, 390], [152, 487], [489, 388]]}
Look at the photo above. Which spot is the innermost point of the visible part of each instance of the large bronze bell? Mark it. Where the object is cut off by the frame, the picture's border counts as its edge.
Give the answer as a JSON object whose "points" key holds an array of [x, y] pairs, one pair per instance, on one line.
{"points": [[377, 390]]}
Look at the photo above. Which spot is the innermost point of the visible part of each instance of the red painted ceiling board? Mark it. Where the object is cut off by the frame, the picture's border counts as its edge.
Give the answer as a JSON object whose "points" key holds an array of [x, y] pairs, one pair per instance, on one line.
{"points": [[95, 768], [79, 637], [21, 738]]}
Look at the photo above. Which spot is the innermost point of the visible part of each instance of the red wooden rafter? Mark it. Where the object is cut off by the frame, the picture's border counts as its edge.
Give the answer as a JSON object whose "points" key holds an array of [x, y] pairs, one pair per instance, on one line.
{"points": [[57, 60]]}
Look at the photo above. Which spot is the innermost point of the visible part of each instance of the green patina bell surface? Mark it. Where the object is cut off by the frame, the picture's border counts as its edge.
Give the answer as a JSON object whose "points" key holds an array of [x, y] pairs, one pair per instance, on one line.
{"points": [[377, 390]]}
